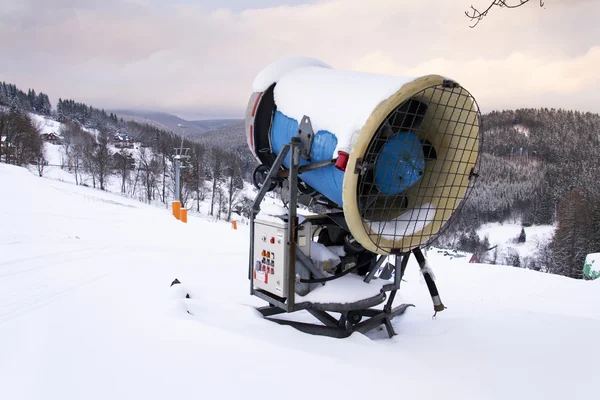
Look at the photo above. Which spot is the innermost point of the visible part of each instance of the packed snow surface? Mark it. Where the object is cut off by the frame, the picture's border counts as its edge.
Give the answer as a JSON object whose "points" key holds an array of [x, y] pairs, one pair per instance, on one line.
{"points": [[349, 289], [87, 312]]}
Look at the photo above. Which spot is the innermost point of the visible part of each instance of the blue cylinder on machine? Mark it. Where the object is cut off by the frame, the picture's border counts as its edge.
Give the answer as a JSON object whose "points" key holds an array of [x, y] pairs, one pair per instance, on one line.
{"points": [[399, 165], [328, 180]]}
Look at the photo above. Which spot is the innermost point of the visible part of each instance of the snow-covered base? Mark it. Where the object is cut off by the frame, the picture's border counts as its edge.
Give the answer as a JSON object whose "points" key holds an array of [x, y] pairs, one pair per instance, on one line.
{"points": [[86, 312], [347, 289]]}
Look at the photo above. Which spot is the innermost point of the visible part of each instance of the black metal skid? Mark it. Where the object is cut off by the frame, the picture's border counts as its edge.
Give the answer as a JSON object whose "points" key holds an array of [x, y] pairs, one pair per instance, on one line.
{"points": [[360, 316]]}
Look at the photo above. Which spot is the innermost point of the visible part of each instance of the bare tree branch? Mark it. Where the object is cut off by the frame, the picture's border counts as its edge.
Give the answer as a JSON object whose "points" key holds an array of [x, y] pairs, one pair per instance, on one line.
{"points": [[475, 15]]}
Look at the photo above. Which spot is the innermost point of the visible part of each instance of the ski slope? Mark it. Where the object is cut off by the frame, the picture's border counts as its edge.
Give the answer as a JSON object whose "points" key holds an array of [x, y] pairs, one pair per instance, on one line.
{"points": [[504, 236], [86, 312]]}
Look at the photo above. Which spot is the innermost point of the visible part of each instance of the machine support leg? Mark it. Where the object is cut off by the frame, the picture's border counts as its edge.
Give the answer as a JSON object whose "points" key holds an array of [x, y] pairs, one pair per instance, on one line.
{"points": [[388, 306], [433, 291], [399, 274], [256, 208], [293, 220], [373, 271], [269, 311], [388, 326], [325, 318]]}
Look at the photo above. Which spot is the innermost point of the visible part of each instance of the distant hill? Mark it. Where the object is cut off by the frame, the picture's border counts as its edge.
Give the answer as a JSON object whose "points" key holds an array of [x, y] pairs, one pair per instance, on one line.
{"points": [[171, 122], [213, 124], [142, 120], [231, 138]]}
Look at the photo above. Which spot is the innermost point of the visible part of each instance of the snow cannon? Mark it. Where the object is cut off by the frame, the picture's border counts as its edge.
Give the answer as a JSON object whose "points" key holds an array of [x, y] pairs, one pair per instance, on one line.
{"points": [[400, 152], [386, 161]]}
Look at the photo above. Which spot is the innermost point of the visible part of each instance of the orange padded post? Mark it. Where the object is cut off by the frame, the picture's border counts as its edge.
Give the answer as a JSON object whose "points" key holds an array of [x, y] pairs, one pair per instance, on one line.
{"points": [[183, 215], [234, 224], [176, 205]]}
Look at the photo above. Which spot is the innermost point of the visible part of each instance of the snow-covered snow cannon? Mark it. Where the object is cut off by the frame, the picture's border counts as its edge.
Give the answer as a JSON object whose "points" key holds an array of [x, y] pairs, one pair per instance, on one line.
{"points": [[391, 160]]}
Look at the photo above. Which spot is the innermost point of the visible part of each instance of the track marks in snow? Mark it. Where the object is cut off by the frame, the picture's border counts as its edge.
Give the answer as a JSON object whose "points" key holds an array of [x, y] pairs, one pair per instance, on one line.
{"points": [[30, 283], [40, 299], [64, 257]]}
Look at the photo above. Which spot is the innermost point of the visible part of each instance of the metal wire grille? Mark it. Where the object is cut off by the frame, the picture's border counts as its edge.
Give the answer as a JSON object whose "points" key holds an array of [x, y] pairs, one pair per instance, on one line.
{"points": [[417, 170]]}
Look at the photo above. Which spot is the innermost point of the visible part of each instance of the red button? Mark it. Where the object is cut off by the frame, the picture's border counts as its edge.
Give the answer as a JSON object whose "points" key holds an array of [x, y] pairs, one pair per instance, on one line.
{"points": [[272, 240]]}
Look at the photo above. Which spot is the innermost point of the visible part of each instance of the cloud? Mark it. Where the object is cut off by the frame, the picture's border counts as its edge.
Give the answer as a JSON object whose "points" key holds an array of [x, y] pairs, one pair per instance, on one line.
{"points": [[519, 80], [187, 59]]}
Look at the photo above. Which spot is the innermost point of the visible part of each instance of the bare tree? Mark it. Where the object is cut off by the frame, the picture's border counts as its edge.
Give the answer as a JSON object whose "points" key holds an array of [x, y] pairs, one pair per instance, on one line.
{"points": [[124, 163], [83, 142], [222, 202], [476, 15], [40, 161], [236, 183], [70, 133], [198, 173], [215, 172], [148, 168], [102, 160], [164, 147]]}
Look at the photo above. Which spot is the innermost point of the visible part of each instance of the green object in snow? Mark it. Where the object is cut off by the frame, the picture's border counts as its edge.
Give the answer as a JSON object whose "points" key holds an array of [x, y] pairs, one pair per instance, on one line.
{"points": [[591, 268]]}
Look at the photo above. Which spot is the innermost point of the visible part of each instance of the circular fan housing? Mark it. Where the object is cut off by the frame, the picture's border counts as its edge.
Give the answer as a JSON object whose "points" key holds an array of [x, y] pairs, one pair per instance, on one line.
{"points": [[413, 162]]}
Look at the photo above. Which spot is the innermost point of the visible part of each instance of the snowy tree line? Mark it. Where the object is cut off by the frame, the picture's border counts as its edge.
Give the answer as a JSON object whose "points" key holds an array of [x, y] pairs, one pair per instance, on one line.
{"points": [[539, 166], [15, 98], [87, 116], [210, 174]]}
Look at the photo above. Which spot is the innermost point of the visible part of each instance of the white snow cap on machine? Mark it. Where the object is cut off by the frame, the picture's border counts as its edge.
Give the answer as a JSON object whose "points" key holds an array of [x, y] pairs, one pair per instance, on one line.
{"points": [[338, 101], [273, 72]]}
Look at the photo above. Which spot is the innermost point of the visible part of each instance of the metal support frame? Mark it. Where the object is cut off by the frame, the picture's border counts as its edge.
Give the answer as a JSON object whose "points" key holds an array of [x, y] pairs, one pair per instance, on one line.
{"points": [[351, 314], [181, 153]]}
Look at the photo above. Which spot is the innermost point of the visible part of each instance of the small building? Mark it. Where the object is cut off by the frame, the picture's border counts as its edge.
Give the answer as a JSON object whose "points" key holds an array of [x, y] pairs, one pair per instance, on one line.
{"points": [[122, 141], [51, 138], [6, 148]]}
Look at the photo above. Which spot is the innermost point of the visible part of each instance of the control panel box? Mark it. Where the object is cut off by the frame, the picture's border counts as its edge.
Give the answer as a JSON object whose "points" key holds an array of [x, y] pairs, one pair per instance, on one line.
{"points": [[271, 252]]}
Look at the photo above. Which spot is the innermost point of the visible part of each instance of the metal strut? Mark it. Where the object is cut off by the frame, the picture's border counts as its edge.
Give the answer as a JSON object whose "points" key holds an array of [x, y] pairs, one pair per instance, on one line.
{"points": [[433, 291]]}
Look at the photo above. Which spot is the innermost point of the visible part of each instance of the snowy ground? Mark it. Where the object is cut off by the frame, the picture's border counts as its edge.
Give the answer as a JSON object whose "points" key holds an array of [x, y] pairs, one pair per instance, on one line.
{"points": [[86, 312], [504, 236]]}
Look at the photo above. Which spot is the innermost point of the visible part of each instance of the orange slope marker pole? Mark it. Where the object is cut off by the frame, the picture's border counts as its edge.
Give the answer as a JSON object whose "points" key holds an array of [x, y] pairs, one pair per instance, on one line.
{"points": [[176, 205], [183, 215]]}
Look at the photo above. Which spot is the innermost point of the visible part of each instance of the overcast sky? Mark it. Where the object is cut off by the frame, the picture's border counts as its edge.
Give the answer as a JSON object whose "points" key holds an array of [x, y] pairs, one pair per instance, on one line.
{"points": [[198, 58]]}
